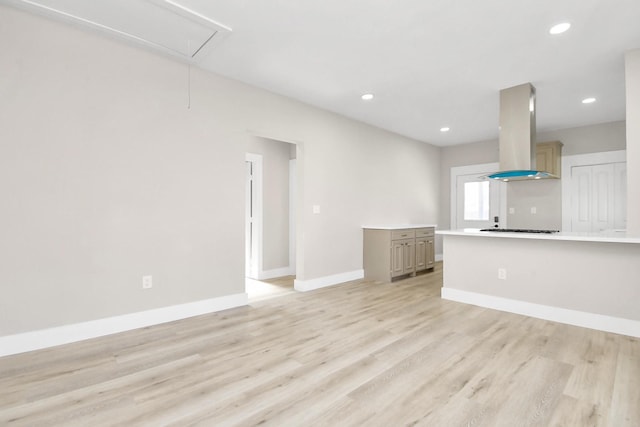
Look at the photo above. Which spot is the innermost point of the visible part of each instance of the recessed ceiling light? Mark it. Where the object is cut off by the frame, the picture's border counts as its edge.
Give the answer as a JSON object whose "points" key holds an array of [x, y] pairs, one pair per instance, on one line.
{"points": [[560, 28], [367, 97], [588, 100], [444, 129]]}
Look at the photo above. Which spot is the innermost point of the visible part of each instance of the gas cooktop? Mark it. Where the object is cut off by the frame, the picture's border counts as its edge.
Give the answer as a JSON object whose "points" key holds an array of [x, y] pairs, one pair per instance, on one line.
{"points": [[519, 230]]}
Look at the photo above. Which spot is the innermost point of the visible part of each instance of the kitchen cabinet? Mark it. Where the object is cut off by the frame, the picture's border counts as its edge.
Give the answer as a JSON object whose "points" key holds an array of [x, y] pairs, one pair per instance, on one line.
{"points": [[395, 252], [548, 157], [425, 249], [403, 255]]}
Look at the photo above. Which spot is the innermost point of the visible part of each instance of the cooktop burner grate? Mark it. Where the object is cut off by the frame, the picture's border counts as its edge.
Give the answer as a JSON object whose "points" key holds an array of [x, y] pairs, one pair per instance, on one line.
{"points": [[519, 230]]}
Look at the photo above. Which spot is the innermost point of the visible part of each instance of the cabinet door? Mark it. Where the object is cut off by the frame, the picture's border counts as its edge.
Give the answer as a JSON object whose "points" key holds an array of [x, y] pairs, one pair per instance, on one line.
{"points": [[548, 157], [409, 256], [421, 254], [430, 253], [544, 158], [397, 258], [403, 257]]}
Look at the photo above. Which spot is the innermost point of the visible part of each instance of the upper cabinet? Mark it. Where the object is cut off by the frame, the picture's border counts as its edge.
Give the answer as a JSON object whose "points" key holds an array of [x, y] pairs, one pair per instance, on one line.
{"points": [[548, 156]]}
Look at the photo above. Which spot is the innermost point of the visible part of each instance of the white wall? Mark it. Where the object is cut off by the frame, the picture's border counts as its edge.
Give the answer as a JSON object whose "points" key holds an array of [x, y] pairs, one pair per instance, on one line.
{"points": [[107, 176], [632, 70], [358, 176], [588, 139], [545, 196]]}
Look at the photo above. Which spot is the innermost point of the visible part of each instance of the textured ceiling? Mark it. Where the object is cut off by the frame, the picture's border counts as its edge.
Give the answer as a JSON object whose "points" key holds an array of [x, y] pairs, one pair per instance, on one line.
{"points": [[430, 63]]}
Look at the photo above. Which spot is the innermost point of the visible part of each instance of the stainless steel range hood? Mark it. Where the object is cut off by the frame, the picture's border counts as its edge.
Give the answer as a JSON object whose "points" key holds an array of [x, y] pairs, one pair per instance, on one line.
{"points": [[518, 135]]}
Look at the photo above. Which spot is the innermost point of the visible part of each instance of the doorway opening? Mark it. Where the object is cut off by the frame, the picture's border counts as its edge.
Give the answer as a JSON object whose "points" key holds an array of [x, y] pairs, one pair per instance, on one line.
{"points": [[270, 217], [477, 202]]}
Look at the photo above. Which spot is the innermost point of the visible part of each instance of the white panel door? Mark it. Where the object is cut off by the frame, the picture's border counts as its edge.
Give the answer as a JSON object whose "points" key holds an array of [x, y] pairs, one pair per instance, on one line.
{"points": [[598, 199], [581, 198], [602, 198], [620, 196]]}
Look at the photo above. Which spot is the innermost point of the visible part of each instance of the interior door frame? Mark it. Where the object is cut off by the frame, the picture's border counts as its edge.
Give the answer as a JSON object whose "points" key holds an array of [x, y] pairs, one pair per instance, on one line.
{"points": [[590, 159], [293, 194], [297, 235], [480, 170], [254, 262]]}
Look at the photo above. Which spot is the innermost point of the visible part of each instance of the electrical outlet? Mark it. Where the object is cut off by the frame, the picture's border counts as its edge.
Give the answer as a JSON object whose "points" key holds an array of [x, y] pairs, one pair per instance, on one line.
{"points": [[502, 273], [316, 209], [534, 210], [147, 282]]}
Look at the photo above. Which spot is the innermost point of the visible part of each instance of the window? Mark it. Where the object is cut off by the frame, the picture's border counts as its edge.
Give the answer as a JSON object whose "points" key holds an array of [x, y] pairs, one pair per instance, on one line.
{"points": [[476, 201]]}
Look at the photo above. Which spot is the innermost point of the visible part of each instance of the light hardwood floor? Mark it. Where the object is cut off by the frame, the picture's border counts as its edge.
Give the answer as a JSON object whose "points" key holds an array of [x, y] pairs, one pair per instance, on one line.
{"points": [[269, 288], [357, 354]]}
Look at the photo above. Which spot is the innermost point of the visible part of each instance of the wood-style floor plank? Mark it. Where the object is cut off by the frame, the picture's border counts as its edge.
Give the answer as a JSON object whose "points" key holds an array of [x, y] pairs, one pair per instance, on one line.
{"points": [[361, 353]]}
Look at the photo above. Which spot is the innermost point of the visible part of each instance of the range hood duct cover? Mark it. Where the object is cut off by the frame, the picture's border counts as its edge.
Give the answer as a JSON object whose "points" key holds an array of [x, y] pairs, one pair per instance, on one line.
{"points": [[518, 135]]}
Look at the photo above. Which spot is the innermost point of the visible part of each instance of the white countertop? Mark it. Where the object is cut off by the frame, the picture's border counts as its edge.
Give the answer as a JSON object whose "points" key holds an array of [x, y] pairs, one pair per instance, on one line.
{"points": [[398, 226], [605, 237]]}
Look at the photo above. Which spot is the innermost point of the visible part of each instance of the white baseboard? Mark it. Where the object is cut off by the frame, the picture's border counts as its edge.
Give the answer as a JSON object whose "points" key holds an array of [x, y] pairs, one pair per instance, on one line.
{"points": [[438, 257], [563, 315], [323, 282], [276, 272], [20, 343]]}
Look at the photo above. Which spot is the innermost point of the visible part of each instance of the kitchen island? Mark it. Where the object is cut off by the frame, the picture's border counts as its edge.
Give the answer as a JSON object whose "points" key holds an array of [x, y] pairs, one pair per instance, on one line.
{"points": [[584, 279]]}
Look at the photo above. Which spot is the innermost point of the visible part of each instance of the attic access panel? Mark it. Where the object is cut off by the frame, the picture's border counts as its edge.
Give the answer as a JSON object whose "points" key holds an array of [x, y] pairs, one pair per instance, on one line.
{"points": [[163, 25]]}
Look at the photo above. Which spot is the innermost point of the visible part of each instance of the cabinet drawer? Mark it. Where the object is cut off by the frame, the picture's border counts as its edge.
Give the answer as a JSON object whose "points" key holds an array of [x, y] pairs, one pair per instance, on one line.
{"points": [[425, 232], [403, 234]]}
